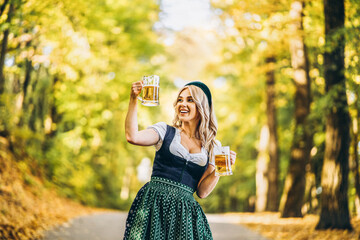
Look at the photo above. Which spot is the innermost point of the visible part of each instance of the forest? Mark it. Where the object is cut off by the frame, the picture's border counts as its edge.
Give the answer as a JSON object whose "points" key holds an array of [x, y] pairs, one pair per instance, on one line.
{"points": [[285, 79]]}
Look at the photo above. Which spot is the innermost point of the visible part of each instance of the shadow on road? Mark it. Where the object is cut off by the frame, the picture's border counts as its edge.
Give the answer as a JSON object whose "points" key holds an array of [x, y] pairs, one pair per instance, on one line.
{"points": [[111, 226]]}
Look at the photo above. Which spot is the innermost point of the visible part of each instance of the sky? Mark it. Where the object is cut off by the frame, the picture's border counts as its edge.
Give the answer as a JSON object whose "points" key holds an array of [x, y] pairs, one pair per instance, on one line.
{"points": [[179, 14]]}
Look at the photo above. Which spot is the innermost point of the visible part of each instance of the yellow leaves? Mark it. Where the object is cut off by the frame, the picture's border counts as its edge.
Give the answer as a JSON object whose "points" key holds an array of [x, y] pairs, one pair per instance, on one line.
{"points": [[37, 59], [314, 73], [114, 95], [23, 166], [107, 114], [69, 72], [25, 210], [321, 41], [289, 72], [320, 59], [227, 56], [352, 61], [351, 98], [80, 48], [81, 178], [73, 140], [234, 48], [92, 51], [93, 83], [158, 59], [272, 226], [357, 79], [356, 22], [25, 37], [356, 59], [116, 30], [320, 81], [96, 141]]}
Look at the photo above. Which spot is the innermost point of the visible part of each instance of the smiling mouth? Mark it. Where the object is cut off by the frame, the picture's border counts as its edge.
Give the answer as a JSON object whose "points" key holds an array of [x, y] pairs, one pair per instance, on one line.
{"points": [[184, 111]]}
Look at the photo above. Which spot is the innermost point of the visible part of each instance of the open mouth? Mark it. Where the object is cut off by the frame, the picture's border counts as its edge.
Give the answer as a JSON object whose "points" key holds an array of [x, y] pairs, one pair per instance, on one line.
{"points": [[184, 111]]}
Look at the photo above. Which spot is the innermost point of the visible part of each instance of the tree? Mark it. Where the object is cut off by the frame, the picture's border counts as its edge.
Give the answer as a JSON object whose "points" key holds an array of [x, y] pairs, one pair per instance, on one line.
{"points": [[355, 152], [273, 166], [261, 170], [68, 66], [334, 178], [352, 54], [255, 32], [300, 150], [4, 42]]}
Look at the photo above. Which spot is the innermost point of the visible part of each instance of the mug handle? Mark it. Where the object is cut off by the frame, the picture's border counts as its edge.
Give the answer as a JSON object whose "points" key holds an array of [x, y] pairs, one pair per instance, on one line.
{"points": [[142, 84]]}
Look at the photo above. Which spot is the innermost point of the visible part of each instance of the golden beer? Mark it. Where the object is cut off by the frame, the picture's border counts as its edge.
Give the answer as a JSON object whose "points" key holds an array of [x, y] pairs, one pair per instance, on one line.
{"points": [[222, 161], [222, 164], [150, 91], [151, 94]]}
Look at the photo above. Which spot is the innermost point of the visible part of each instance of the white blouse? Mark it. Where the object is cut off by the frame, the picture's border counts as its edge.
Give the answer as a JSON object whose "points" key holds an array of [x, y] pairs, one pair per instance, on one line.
{"points": [[177, 148]]}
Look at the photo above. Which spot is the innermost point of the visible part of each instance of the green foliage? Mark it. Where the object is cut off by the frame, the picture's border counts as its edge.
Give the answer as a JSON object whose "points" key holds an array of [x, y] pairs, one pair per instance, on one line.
{"points": [[84, 55]]}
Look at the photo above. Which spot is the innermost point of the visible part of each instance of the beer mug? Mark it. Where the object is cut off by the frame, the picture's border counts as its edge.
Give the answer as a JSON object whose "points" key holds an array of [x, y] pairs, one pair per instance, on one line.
{"points": [[222, 161], [150, 91]]}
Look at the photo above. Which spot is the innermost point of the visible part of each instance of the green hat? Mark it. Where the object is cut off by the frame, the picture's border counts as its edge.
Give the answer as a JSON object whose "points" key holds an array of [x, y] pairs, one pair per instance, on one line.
{"points": [[203, 87]]}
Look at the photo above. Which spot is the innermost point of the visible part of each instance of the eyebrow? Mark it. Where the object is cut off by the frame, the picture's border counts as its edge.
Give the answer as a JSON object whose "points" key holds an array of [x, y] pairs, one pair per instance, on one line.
{"points": [[187, 97]]}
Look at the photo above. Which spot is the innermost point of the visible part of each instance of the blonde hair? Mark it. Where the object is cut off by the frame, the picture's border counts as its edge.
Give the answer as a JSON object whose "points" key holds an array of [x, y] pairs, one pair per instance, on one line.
{"points": [[207, 128]]}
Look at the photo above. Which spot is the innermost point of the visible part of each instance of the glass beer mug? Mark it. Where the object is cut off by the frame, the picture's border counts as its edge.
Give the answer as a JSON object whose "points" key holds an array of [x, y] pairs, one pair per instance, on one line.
{"points": [[150, 91], [222, 161]]}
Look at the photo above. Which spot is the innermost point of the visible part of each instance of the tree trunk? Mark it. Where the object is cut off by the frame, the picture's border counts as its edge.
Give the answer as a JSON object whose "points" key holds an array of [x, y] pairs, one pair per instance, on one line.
{"points": [[4, 45], [26, 102], [310, 197], [355, 154], [28, 70], [3, 6], [273, 167], [261, 171], [300, 150], [334, 178], [34, 104], [55, 117]]}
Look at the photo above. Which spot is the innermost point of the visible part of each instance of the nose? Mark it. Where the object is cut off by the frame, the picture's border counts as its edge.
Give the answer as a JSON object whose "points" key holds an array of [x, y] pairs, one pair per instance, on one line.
{"points": [[183, 104]]}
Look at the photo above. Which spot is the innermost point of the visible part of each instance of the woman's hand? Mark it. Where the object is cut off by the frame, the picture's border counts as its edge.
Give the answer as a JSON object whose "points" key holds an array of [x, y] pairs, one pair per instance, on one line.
{"points": [[232, 157], [145, 137], [136, 89]]}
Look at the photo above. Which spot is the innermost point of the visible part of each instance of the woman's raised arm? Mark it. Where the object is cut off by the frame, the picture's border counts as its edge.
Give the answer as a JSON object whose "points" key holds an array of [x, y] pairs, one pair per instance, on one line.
{"points": [[145, 137]]}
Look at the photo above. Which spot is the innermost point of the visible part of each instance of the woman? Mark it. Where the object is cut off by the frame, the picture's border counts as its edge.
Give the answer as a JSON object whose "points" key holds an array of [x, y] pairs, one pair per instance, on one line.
{"points": [[165, 208]]}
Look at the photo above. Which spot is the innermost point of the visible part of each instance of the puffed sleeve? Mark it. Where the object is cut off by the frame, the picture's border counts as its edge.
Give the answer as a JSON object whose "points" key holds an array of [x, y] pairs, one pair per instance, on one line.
{"points": [[160, 128]]}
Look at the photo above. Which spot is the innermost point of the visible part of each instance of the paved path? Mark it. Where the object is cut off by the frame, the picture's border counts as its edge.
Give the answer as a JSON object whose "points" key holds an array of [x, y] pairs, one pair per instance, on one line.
{"points": [[111, 226]]}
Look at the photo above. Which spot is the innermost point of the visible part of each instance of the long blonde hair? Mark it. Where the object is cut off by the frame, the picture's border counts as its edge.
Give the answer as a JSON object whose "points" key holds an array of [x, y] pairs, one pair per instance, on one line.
{"points": [[207, 128]]}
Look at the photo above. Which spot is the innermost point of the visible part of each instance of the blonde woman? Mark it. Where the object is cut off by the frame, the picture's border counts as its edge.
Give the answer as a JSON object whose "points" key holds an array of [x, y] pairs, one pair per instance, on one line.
{"points": [[165, 208]]}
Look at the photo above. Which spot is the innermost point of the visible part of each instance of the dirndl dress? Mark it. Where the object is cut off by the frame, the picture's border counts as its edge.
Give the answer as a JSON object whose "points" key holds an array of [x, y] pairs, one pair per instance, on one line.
{"points": [[165, 208]]}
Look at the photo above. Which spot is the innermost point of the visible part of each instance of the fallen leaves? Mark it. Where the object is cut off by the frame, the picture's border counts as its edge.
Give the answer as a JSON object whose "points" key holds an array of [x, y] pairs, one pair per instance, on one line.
{"points": [[273, 227], [26, 211]]}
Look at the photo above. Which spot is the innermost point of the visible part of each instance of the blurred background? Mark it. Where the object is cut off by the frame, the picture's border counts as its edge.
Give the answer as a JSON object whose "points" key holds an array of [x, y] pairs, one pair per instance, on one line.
{"points": [[67, 66]]}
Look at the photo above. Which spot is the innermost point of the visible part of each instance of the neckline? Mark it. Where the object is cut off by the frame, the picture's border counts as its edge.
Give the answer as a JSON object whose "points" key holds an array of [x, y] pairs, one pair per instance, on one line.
{"points": [[187, 150]]}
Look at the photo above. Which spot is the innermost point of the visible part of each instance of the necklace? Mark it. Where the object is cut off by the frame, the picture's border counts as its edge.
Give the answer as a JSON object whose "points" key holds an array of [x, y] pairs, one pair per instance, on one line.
{"points": [[188, 134]]}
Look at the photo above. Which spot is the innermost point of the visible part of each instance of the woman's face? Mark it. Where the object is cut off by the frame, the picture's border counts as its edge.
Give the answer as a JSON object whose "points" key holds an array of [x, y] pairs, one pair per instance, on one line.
{"points": [[186, 107]]}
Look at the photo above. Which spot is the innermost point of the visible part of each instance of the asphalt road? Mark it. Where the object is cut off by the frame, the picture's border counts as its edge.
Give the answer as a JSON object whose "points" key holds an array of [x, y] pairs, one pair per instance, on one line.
{"points": [[111, 226]]}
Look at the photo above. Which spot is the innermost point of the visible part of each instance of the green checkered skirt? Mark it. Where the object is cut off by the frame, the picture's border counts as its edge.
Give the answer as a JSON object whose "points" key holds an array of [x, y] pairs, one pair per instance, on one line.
{"points": [[164, 209]]}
